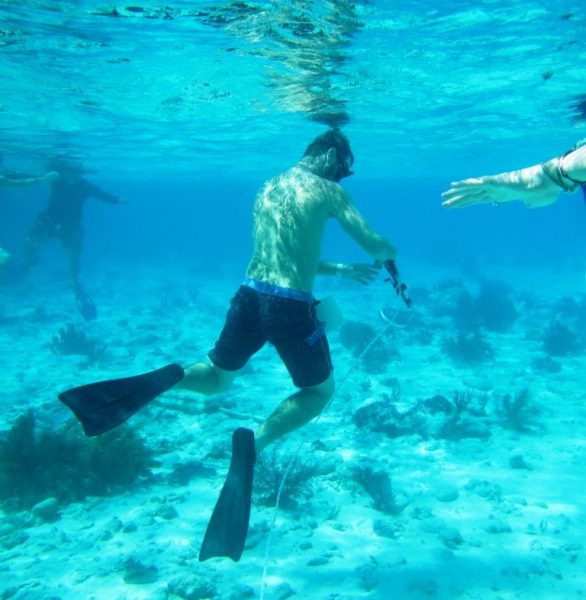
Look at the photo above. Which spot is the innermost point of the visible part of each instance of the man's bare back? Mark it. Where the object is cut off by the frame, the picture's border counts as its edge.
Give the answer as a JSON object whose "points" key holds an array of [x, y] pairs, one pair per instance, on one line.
{"points": [[289, 219]]}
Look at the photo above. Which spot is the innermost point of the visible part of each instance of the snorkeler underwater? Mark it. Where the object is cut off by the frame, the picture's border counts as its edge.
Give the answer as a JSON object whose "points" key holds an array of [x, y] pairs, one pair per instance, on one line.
{"points": [[225, 387]]}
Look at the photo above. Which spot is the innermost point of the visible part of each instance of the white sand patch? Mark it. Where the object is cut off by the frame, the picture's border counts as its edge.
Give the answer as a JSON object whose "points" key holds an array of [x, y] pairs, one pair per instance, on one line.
{"points": [[471, 525]]}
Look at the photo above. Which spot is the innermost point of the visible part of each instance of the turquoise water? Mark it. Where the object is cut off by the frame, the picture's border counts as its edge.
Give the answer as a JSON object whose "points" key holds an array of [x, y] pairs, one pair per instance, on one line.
{"points": [[190, 86], [184, 110]]}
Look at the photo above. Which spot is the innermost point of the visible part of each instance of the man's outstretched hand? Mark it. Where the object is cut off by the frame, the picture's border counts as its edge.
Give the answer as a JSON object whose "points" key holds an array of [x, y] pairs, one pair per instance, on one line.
{"points": [[363, 273]]}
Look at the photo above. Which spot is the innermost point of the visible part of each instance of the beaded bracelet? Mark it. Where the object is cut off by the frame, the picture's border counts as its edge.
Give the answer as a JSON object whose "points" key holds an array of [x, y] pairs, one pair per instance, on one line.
{"points": [[557, 174]]}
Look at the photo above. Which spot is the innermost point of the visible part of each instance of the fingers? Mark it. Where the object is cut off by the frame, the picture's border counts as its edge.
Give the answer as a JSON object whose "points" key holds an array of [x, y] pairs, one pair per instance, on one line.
{"points": [[464, 195], [461, 202], [365, 280], [470, 182], [363, 273], [366, 273]]}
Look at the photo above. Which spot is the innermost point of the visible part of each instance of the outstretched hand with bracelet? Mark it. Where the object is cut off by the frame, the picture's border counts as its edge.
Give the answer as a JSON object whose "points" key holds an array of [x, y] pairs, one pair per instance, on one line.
{"points": [[536, 186]]}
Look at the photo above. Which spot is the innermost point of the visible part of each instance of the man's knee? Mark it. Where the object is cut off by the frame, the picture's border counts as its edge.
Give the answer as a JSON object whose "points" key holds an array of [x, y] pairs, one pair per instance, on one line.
{"points": [[327, 388], [206, 379], [224, 378], [321, 394]]}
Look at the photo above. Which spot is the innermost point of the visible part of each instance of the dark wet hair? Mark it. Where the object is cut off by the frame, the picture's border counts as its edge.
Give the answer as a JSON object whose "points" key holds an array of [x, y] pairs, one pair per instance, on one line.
{"points": [[65, 164], [332, 138]]}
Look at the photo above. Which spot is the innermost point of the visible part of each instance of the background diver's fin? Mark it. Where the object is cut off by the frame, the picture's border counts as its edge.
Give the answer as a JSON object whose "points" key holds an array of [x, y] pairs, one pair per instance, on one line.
{"points": [[103, 405], [228, 526]]}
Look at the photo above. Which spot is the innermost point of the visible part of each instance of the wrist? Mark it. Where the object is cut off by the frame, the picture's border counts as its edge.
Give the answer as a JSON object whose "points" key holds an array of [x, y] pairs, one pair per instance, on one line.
{"points": [[554, 171]]}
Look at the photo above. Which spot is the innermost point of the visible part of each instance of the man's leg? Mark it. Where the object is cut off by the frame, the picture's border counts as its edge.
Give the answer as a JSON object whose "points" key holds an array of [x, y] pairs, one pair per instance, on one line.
{"points": [[206, 379], [40, 233], [295, 411], [72, 243]]}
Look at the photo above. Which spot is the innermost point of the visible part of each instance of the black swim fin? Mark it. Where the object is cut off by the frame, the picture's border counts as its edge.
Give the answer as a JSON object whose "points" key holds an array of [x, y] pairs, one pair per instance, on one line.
{"points": [[103, 405], [228, 526]]}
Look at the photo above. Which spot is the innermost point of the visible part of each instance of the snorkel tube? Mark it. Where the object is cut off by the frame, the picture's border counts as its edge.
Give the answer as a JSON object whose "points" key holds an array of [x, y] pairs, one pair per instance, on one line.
{"points": [[399, 287]]}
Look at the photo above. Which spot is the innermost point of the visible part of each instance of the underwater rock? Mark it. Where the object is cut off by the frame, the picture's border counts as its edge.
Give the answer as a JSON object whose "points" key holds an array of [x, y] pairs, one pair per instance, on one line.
{"points": [[283, 591], [447, 494], [546, 364], [167, 512], [137, 573], [240, 591], [192, 587], [130, 527], [319, 561], [516, 461], [485, 489], [425, 587], [438, 404], [368, 576], [13, 539], [256, 534], [450, 537], [432, 525], [431, 418], [421, 513], [384, 417], [111, 529], [115, 525], [387, 528], [46, 510], [497, 526], [184, 472]]}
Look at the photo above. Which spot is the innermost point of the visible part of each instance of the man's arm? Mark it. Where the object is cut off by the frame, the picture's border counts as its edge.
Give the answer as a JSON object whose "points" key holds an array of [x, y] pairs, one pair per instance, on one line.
{"points": [[363, 273], [359, 229], [100, 194], [26, 180], [538, 185]]}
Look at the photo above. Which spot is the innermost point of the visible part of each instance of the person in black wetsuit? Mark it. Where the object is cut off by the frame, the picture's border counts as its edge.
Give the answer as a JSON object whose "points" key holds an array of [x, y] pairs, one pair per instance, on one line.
{"points": [[62, 219]]}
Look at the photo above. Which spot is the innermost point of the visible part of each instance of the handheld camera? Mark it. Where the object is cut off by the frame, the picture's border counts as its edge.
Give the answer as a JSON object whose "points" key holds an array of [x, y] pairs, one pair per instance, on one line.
{"points": [[399, 287]]}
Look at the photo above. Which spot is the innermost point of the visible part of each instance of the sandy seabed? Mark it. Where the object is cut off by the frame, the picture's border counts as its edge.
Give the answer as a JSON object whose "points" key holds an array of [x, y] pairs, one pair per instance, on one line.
{"points": [[492, 515]]}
